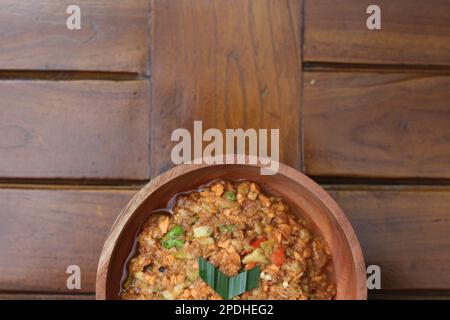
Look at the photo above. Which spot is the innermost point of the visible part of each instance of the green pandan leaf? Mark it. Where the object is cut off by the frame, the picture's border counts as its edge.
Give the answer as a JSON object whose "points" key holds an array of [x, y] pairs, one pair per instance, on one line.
{"points": [[228, 287]]}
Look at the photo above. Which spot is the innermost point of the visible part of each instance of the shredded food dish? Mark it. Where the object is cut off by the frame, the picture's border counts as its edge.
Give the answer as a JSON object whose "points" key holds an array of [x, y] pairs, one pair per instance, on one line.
{"points": [[235, 227]]}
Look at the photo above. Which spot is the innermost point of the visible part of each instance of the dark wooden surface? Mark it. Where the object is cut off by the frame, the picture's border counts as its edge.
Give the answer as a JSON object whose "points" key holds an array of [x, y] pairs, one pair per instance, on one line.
{"points": [[45, 230], [366, 113], [377, 125], [404, 230], [413, 32], [74, 129], [202, 70], [113, 36], [33, 296]]}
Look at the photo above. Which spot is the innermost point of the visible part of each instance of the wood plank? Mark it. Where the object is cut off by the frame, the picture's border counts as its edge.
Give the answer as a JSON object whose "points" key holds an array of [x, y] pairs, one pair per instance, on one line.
{"points": [[44, 231], [377, 125], [231, 64], [412, 32], [32, 296], [404, 230], [113, 36], [408, 295], [74, 129]]}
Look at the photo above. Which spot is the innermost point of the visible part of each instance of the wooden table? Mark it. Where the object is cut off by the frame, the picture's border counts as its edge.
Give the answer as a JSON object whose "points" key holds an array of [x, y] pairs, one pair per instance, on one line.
{"points": [[86, 117]]}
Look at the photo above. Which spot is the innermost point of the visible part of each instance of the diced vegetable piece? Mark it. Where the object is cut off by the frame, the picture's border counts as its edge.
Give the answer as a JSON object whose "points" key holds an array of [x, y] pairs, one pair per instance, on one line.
{"points": [[267, 246], [167, 295], [266, 276], [305, 235], [206, 241], [278, 256], [173, 243], [174, 232], [227, 204], [140, 276], [226, 228], [202, 231], [257, 243], [230, 195], [252, 195], [257, 256], [181, 255], [173, 238]]}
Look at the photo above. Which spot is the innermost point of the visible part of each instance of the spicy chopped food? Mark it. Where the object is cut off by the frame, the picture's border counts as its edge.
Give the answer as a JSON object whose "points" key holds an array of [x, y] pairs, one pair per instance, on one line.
{"points": [[235, 227]]}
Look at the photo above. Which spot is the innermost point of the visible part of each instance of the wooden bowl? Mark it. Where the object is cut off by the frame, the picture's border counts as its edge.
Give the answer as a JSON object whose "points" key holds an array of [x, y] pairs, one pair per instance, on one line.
{"points": [[303, 195]]}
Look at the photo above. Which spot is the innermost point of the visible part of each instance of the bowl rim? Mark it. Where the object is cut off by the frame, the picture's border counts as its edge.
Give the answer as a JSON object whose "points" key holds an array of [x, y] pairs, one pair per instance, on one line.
{"points": [[138, 199]]}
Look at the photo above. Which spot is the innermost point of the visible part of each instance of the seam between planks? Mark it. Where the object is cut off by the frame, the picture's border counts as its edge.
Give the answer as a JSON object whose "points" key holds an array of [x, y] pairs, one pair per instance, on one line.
{"points": [[69, 75], [149, 84], [74, 187], [317, 66], [302, 87]]}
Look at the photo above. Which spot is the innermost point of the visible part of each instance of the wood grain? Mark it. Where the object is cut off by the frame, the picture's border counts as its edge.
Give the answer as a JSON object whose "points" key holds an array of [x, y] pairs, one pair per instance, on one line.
{"points": [[377, 125], [409, 295], [33, 296], [113, 36], [404, 230], [231, 64], [412, 32], [44, 231], [79, 129]]}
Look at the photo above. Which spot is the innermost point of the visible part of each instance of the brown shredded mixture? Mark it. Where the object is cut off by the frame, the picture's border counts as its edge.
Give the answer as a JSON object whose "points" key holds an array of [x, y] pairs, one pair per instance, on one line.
{"points": [[235, 227]]}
